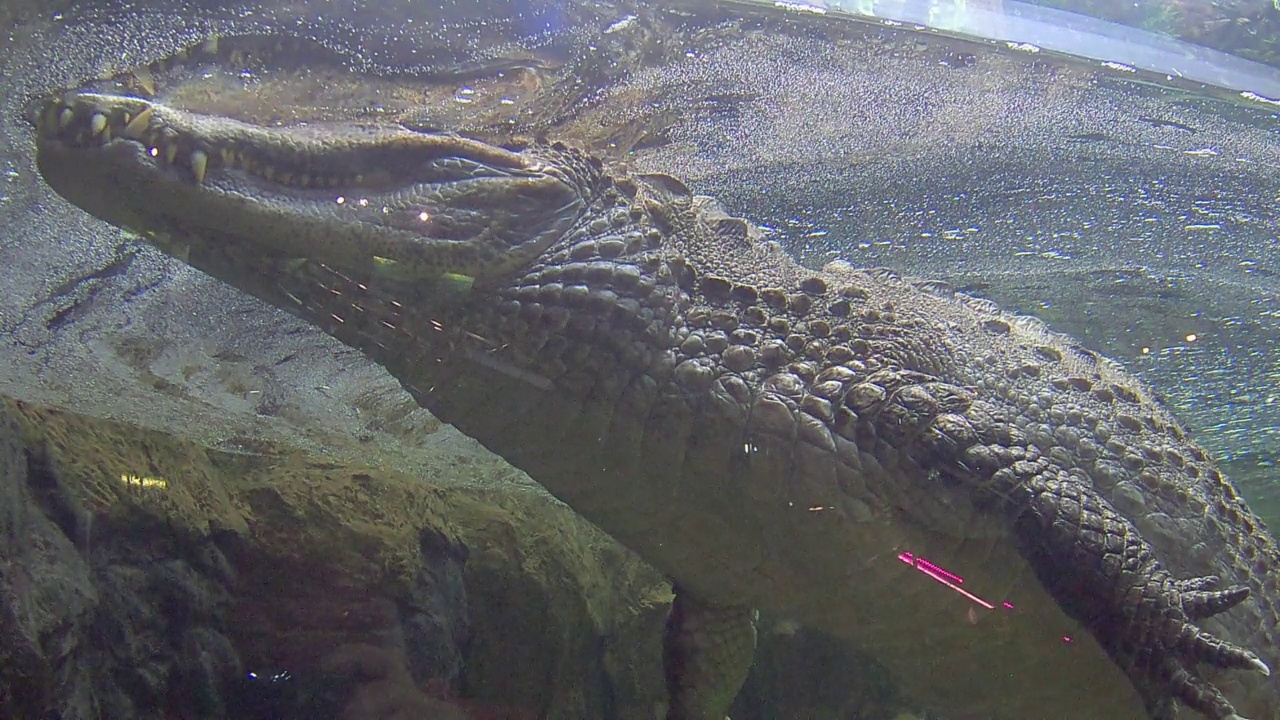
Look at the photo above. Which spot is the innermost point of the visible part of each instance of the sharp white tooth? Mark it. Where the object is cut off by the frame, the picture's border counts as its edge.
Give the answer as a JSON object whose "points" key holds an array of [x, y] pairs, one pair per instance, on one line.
{"points": [[138, 125], [199, 163], [145, 80], [65, 117], [98, 123]]}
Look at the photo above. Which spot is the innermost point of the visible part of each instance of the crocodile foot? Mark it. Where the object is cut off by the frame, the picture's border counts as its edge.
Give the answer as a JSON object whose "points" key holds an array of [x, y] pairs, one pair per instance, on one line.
{"points": [[1102, 572]]}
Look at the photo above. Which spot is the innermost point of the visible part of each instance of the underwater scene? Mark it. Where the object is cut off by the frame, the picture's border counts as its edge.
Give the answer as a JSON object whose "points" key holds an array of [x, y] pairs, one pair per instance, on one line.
{"points": [[623, 360]]}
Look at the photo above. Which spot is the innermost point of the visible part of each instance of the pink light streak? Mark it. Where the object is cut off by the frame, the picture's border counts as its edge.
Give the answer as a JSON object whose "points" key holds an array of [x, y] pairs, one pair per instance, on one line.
{"points": [[921, 562], [949, 579]]}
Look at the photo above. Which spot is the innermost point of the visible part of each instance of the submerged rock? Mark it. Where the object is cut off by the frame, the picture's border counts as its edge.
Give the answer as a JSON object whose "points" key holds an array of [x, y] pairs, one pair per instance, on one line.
{"points": [[143, 576], [48, 597]]}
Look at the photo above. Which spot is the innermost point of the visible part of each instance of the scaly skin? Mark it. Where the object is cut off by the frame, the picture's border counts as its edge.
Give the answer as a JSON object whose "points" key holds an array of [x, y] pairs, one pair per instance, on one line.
{"points": [[956, 488]]}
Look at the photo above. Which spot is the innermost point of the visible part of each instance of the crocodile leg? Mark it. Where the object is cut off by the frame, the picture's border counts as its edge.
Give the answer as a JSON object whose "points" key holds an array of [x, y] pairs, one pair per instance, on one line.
{"points": [[1091, 558], [707, 651], [1097, 566]]}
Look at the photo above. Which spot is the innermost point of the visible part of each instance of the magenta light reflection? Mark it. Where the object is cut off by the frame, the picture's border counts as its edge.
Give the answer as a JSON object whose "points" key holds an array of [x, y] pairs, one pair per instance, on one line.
{"points": [[945, 577], [921, 562]]}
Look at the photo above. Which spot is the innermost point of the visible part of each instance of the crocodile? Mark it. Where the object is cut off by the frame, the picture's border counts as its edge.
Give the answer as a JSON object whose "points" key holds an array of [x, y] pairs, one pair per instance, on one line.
{"points": [[1011, 523]]}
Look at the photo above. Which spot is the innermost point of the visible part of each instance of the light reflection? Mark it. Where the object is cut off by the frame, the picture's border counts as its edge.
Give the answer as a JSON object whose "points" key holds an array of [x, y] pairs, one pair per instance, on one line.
{"points": [[945, 577], [143, 481]]}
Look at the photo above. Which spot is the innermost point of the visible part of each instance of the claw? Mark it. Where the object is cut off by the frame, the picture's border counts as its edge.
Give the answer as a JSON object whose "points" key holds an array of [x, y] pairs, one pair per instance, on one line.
{"points": [[1188, 685], [1199, 601], [1196, 692], [1215, 651]]}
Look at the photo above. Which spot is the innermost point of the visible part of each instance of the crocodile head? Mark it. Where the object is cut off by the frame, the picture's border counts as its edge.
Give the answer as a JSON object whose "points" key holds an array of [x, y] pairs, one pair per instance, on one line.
{"points": [[413, 247], [368, 201]]}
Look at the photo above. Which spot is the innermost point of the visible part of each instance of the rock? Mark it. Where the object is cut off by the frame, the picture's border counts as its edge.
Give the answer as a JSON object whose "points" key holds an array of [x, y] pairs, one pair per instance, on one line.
{"points": [[146, 574], [380, 686], [47, 595]]}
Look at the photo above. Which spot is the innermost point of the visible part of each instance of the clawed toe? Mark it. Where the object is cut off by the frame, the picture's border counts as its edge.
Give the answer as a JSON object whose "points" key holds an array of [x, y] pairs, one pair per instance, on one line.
{"points": [[1212, 650], [1201, 601], [1176, 671], [1142, 616]]}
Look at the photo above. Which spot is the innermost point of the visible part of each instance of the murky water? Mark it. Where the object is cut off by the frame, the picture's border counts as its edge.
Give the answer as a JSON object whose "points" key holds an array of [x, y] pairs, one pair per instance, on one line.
{"points": [[1113, 195]]}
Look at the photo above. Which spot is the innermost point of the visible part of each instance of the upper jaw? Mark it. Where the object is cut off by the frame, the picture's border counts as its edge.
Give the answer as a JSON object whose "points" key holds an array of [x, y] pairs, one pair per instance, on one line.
{"points": [[339, 157], [352, 196]]}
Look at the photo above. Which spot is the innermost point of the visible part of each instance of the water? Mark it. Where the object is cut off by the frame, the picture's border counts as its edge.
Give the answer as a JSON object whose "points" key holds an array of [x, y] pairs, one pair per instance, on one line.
{"points": [[1114, 197]]}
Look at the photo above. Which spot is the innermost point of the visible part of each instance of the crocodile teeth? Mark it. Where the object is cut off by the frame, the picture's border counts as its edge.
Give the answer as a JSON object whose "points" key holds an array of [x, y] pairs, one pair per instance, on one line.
{"points": [[170, 153], [138, 125], [65, 117], [98, 123], [199, 163], [145, 80]]}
